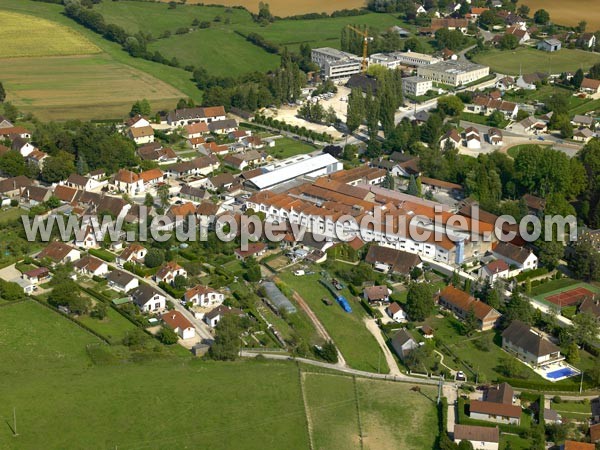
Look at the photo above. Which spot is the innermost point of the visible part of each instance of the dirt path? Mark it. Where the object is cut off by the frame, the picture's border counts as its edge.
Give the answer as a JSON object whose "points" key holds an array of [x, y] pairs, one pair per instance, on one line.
{"points": [[452, 371], [375, 331], [318, 325]]}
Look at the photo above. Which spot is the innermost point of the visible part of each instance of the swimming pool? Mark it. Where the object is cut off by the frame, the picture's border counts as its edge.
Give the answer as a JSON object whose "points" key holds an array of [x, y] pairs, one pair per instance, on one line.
{"points": [[564, 372]]}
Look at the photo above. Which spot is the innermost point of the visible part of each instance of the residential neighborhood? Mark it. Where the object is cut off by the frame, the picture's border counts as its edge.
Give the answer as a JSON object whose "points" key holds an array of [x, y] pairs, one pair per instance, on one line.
{"points": [[374, 225]]}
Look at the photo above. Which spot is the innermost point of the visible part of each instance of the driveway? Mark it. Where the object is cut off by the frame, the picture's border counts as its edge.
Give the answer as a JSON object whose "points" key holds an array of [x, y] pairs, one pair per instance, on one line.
{"points": [[391, 362], [9, 273]]}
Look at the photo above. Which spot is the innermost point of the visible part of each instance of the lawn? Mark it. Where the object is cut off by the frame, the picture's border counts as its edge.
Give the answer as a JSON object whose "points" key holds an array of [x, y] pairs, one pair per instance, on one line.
{"points": [[392, 416], [8, 215], [113, 327], [219, 50], [480, 119], [287, 147], [563, 284], [32, 36], [513, 442], [530, 60], [348, 331]]}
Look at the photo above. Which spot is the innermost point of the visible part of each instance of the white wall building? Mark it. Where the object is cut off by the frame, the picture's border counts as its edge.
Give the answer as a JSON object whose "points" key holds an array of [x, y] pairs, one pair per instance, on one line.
{"points": [[416, 86], [453, 73]]}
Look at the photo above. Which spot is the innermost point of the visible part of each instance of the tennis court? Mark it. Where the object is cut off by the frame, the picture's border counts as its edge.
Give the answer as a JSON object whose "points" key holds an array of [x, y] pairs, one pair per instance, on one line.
{"points": [[570, 297]]}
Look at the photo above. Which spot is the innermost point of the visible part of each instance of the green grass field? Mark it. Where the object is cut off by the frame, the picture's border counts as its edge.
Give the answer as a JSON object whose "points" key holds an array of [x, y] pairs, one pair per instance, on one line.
{"points": [[32, 36], [392, 416], [113, 327], [357, 344], [65, 400], [286, 147], [532, 60], [219, 50]]}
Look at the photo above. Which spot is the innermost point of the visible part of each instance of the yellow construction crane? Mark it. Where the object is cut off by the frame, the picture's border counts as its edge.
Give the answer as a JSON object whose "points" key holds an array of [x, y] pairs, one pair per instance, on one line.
{"points": [[365, 35]]}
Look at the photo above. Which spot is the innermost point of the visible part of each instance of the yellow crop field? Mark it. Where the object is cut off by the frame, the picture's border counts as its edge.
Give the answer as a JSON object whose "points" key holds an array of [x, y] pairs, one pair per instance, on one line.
{"points": [[570, 12], [24, 35]]}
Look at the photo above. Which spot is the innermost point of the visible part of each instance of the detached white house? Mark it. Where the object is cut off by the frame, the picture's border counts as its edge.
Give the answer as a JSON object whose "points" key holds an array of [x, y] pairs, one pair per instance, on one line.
{"points": [[59, 253], [213, 317], [519, 257], [481, 438], [179, 324], [396, 312], [134, 253], [90, 266], [122, 281], [149, 299], [168, 272], [528, 345], [203, 296], [494, 271]]}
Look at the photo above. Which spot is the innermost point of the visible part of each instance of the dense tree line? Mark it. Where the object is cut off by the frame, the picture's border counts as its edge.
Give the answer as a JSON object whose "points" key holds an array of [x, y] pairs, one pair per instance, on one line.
{"points": [[352, 42], [256, 90]]}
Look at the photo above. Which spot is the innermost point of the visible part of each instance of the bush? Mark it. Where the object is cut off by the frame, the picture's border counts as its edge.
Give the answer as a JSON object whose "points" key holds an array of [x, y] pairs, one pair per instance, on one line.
{"points": [[167, 336]]}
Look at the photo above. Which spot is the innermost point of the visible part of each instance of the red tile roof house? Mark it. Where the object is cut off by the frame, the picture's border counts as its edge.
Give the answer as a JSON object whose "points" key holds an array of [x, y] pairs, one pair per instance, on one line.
{"points": [[461, 303], [179, 324], [168, 272], [128, 182], [255, 249], [133, 253], [494, 271], [59, 253], [377, 294], [203, 296], [90, 266], [495, 412], [37, 275], [396, 312]]}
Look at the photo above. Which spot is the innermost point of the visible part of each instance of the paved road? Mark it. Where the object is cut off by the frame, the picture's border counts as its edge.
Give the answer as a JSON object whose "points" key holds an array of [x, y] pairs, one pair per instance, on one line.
{"points": [[202, 329]]}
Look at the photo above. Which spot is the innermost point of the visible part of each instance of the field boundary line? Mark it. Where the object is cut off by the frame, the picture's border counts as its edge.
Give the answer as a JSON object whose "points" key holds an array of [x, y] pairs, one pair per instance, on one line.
{"points": [[306, 409], [358, 418]]}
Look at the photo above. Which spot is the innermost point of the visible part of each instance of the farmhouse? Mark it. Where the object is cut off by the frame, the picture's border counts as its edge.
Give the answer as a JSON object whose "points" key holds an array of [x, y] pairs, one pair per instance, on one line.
{"points": [[528, 345], [403, 343], [148, 299], [461, 304], [203, 296], [179, 324], [35, 195], [481, 438], [129, 182], [59, 253]]}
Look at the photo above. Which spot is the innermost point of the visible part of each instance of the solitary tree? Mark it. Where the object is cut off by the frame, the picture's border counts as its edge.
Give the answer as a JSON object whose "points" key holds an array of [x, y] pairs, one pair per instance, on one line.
{"points": [[541, 16], [2, 93], [163, 195]]}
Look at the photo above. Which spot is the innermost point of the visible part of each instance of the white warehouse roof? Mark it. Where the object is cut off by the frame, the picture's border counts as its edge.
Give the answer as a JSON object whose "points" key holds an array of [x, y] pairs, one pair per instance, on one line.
{"points": [[295, 170]]}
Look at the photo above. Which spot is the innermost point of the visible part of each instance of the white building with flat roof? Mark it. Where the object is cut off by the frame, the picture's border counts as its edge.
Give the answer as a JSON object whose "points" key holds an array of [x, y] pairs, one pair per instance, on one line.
{"points": [[335, 63], [453, 73], [416, 86], [396, 59], [312, 167]]}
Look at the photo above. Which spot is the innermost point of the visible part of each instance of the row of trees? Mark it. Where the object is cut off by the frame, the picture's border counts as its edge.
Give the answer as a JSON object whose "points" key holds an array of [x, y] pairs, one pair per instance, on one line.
{"points": [[377, 107]]}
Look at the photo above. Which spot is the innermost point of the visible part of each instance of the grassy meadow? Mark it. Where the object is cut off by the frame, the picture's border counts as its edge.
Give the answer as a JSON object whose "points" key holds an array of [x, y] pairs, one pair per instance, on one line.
{"points": [[391, 416], [532, 60], [83, 87], [32, 36], [286, 8], [65, 399], [348, 330]]}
